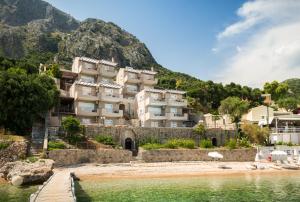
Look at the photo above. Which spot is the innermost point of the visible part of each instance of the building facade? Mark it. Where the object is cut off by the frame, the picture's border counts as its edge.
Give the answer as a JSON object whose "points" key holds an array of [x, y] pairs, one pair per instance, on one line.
{"points": [[98, 94]]}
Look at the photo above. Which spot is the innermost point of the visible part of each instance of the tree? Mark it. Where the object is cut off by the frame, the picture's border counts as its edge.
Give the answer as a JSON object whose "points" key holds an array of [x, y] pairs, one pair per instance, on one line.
{"points": [[277, 90], [256, 134], [23, 98], [235, 108], [200, 130], [71, 125], [289, 103]]}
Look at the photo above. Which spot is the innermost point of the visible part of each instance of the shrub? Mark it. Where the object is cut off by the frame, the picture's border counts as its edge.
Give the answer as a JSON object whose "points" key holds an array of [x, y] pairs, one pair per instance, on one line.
{"points": [[150, 146], [184, 143], [231, 144], [32, 159], [255, 134], [105, 139], [71, 125], [4, 145], [206, 143], [151, 140], [244, 142], [289, 144], [52, 145], [279, 143]]}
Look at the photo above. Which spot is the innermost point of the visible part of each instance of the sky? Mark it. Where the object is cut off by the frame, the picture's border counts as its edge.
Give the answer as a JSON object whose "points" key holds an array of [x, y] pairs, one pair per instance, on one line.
{"points": [[247, 42]]}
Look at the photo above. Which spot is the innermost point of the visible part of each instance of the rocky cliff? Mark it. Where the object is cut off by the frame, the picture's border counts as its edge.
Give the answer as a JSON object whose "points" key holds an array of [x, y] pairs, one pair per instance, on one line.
{"points": [[28, 26]]}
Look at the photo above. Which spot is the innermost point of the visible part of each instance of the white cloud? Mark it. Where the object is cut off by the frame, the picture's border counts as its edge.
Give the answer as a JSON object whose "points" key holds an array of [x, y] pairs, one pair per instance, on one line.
{"points": [[270, 52]]}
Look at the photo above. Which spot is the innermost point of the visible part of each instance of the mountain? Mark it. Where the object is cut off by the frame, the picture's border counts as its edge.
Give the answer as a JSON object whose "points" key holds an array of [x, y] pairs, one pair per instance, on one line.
{"points": [[36, 26]]}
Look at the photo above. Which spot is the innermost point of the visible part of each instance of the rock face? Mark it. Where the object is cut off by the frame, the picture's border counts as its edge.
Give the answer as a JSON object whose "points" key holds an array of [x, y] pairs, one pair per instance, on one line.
{"points": [[28, 26], [21, 172], [15, 151]]}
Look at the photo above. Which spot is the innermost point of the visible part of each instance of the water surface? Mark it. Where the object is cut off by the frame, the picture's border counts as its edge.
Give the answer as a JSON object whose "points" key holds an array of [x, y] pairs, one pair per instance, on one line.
{"points": [[266, 187]]}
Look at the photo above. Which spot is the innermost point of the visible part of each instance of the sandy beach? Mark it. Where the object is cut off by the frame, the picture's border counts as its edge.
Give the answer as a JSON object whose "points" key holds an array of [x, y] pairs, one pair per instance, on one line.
{"points": [[168, 169]]}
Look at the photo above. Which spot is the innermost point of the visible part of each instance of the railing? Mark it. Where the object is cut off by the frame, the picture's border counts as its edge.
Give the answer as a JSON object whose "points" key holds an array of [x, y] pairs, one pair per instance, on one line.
{"points": [[286, 130]]}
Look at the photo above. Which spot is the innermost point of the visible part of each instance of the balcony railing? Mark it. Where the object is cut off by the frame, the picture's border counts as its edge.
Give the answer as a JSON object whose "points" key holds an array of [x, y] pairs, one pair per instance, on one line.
{"points": [[155, 116], [128, 79], [149, 81], [108, 72], [90, 96], [82, 112], [179, 117], [90, 71], [178, 102], [155, 102], [114, 113], [111, 97], [286, 130]]}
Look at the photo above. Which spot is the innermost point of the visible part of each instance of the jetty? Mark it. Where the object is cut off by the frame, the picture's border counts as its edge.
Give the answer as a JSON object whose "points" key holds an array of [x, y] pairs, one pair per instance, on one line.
{"points": [[58, 188]]}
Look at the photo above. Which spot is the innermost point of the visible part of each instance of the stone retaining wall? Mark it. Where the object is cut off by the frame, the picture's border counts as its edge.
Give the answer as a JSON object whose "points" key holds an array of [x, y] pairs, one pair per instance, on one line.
{"points": [[76, 156], [169, 155]]}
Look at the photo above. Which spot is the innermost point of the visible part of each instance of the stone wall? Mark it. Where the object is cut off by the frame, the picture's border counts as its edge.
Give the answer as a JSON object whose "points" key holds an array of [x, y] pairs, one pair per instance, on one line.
{"points": [[169, 155], [15, 151], [76, 156], [140, 134]]}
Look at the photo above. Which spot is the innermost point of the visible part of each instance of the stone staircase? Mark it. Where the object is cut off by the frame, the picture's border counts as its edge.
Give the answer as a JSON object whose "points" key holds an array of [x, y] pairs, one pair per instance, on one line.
{"points": [[39, 130]]}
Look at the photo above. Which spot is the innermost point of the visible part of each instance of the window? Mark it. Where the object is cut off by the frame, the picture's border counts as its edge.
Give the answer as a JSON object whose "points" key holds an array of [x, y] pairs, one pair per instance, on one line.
{"points": [[108, 122], [173, 124], [154, 124], [132, 88], [155, 110], [173, 110], [108, 107], [87, 106], [88, 79], [86, 90]]}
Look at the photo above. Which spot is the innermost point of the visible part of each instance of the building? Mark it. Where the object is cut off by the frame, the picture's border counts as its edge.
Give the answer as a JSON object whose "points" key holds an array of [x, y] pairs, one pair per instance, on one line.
{"points": [[98, 94], [161, 108], [212, 121], [134, 81]]}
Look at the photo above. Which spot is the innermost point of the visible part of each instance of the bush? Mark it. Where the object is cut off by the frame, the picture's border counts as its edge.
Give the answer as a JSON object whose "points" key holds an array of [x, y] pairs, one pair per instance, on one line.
{"points": [[184, 143], [52, 145], [244, 142], [231, 144], [150, 146], [32, 159], [71, 125], [151, 140], [279, 143], [4, 145], [105, 139], [206, 143]]}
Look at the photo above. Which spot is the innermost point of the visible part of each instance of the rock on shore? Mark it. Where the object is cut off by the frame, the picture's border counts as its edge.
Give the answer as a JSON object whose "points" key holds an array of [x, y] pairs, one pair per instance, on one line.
{"points": [[21, 173]]}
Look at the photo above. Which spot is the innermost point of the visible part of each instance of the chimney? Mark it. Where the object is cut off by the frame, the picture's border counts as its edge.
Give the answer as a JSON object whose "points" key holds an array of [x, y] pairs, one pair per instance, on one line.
{"points": [[112, 59]]}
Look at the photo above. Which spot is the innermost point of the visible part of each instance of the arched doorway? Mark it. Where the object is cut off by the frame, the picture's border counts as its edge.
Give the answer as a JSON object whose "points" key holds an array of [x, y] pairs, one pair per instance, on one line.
{"points": [[128, 143], [214, 141]]}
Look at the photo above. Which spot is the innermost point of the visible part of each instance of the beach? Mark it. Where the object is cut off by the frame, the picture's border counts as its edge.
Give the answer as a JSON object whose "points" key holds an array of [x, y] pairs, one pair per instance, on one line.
{"points": [[168, 169]]}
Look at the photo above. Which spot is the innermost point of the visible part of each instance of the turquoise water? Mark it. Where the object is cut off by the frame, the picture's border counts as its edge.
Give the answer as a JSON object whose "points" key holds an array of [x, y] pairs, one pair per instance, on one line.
{"points": [[9, 193], [234, 188]]}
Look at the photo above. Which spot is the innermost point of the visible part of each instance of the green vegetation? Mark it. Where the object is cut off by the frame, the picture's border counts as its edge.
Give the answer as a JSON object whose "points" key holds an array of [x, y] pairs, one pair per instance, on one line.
{"points": [[231, 144], [200, 130], [276, 89], [255, 134], [243, 142], [172, 144], [285, 143], [105, 139], [4, 145], [294, 87], [32, 159], [235, 107], [288, 103], [71, 126], [24, 96], [54, 145], [206, 144], [149, 140]]}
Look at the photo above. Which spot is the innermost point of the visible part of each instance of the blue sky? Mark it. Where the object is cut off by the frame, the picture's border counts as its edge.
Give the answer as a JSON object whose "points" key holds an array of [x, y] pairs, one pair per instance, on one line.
{"points": [[221, 40]]}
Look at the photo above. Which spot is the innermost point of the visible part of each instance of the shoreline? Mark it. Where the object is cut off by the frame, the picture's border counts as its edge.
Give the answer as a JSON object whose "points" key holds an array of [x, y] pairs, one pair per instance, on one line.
{"points": [[96, 172]]}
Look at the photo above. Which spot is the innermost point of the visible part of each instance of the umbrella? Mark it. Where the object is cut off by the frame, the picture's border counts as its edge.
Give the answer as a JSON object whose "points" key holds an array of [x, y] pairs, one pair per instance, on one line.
{"points": [[215, 155], [278, 155]]}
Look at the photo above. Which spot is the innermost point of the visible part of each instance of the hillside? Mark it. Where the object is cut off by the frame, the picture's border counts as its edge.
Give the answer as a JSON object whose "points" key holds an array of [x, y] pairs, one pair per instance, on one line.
{"points": [[294, 86]]}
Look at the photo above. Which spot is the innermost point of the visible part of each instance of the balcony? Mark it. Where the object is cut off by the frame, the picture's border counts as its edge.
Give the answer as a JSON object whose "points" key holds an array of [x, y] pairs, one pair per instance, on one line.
{"points": [[289, 130], [113, 114], [155, 102], [80, 112], [79, 95], [177, 117], [89, 71], [154, 116], [128, 79], [149, 81], [111, 97], [130, 91], [177, 103], [108, 73]]}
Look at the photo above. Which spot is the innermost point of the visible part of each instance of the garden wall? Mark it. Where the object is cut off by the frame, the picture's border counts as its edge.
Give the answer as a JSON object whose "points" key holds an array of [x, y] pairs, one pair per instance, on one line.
{"points": [[75, 156], [169, 155]]}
